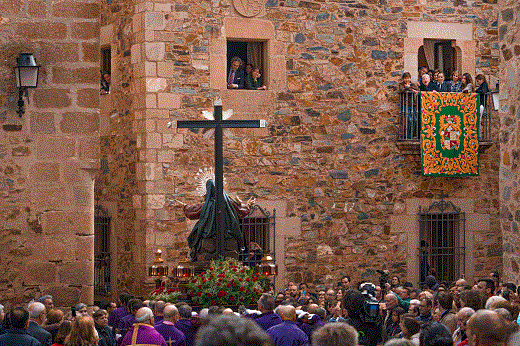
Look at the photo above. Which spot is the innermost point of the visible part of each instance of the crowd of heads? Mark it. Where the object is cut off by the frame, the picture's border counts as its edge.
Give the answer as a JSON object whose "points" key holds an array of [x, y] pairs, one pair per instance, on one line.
{"points": [[437, 80], [483, 313]]}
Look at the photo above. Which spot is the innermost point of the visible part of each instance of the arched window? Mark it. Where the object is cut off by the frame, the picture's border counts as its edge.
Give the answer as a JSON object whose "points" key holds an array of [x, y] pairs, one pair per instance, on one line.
{"points": [[439, 54]]}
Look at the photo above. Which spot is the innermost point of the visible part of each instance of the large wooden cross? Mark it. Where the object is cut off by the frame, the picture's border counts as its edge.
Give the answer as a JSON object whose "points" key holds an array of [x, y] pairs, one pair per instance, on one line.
{"points": [[218, 124]]}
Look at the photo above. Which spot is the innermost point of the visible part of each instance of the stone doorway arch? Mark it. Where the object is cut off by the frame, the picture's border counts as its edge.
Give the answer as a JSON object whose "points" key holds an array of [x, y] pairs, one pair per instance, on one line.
{"points": [[461, 36]]}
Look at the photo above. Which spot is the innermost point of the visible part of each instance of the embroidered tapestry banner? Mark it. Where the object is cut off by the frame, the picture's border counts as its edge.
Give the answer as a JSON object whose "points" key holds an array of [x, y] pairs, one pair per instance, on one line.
{"points": [[449, 134]]}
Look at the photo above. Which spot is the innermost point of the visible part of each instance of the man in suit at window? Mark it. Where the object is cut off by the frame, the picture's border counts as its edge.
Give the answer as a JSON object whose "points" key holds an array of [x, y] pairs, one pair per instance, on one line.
{"points": [[235, 78]]}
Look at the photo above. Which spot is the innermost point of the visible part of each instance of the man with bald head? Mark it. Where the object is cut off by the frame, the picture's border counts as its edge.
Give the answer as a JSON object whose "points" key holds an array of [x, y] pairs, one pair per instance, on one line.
{"points": [[487, 328], [143, 332], [172, 335], [287, 333]]}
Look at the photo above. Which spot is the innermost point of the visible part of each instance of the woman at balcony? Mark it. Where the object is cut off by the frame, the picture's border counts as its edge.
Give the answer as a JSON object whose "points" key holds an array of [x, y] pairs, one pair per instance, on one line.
{"points": [[467, 83], [482, 89], [456, 83], [427, 84], [408, 91]]}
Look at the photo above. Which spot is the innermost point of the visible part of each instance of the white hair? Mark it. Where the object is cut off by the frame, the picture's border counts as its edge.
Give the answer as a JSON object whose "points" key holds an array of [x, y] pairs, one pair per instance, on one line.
{"points": [[203, 313], [35, 309], [493, 299], [426, 76], [144, 313], [466, 311]]}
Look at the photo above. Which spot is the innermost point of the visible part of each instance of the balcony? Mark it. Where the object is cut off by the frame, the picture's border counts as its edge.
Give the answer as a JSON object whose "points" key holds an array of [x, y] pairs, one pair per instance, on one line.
{"points": [[409, 136]]}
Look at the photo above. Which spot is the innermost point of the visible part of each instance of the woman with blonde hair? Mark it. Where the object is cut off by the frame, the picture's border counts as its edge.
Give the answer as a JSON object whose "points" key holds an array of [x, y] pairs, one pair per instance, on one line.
{"points": [[82, 333]]}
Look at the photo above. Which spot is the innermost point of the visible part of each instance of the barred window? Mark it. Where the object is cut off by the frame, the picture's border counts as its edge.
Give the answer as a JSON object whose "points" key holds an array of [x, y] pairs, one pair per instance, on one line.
{"points": [[442, 248]]}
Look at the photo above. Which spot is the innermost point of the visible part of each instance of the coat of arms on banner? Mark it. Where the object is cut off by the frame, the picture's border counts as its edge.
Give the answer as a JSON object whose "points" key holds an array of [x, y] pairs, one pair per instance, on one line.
{"points": [[449, 134], [249, 8]]}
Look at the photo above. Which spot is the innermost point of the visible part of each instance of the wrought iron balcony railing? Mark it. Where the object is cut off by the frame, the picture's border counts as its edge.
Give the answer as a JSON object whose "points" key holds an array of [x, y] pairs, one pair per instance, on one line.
{"points": [[409, 136]]}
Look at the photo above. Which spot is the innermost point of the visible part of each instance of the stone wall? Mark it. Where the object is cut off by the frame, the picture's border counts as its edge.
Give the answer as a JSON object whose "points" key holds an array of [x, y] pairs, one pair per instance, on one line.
{"points": [[116, 185], [328, 155], [48, 155], [509, 35]]}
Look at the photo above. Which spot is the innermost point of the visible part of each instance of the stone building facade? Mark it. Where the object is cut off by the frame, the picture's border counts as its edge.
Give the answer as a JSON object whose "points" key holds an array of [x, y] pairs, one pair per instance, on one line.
{"points": [[509, 36], [48, 156], [347, 198]]}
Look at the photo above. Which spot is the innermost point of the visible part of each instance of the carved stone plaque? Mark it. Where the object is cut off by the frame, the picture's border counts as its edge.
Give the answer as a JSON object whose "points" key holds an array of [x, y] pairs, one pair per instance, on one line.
{"points": [[249, 8]]}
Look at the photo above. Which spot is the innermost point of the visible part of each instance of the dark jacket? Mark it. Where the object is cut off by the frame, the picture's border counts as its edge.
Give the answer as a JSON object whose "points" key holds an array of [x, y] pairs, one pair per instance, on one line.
{"points": [[18, 337], [251, 84], [369, 332], [106, 337], [482, 90], [443, 88], [239, 78], [43, 336], [430, 87]]}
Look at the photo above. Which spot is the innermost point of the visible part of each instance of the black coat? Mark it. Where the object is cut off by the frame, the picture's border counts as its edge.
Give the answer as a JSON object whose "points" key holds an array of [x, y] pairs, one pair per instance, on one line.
{"points": [[18, 337], [239, 78], [368, 332], [43, 336]]}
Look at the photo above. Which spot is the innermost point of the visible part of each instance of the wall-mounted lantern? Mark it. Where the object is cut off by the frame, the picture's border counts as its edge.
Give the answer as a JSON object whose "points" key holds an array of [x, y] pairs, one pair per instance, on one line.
{"points": [[26, 73]]}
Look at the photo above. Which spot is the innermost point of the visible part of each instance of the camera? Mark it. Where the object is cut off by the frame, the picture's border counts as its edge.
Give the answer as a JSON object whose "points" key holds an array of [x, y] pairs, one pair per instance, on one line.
{"points": [[370, 305]]}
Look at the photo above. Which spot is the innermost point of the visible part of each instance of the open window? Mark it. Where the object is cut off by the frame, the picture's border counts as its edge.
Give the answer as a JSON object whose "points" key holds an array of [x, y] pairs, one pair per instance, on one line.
{"points": [[106, 59], [439, 54], [250, 52]]}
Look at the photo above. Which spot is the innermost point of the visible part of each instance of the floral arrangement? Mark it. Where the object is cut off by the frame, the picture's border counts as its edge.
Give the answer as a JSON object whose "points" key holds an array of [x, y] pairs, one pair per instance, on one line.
{"points": [[168, 295], [226, 282]]}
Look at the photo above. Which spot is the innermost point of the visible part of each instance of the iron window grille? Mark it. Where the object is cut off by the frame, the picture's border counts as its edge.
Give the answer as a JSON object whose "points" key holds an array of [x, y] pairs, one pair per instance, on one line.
{"points": [[442, 250], [101, 252]]}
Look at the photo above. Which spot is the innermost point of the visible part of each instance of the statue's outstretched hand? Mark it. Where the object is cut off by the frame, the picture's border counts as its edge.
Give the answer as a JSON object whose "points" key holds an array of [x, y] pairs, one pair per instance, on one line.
{"points": [[251, 201], [181, 203]]}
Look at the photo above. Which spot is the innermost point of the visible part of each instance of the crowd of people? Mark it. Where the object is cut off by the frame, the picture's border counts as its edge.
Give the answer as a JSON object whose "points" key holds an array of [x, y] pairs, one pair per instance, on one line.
{"points": [[391, 313], [436, 81]]}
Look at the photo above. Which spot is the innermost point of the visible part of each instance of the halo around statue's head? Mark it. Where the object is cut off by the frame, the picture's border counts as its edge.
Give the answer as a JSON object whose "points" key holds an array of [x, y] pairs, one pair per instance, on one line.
{"points": [[202, 176]]}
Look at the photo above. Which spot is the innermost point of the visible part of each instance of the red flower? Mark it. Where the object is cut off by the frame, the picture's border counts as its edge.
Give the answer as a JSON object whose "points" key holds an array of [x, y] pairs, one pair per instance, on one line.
{"points": [[199, 294], [242, 288], [192, 294], [240, 279], [213, 302], [242, 270], [247, 290], [228, 285], [234, 284], [248, 279], [200, 287], [209, 294], [231, 299], [218, 283], [241, 299], [220, 280], [210, 268]]}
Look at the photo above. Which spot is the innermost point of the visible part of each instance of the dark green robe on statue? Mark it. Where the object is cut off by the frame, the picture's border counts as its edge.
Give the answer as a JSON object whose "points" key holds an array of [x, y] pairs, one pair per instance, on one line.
{"points": [[206, 227]]}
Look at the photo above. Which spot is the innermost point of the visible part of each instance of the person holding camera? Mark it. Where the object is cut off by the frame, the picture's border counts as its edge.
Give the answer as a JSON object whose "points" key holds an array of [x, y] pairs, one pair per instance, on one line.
{"points": [[368, 330]]}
